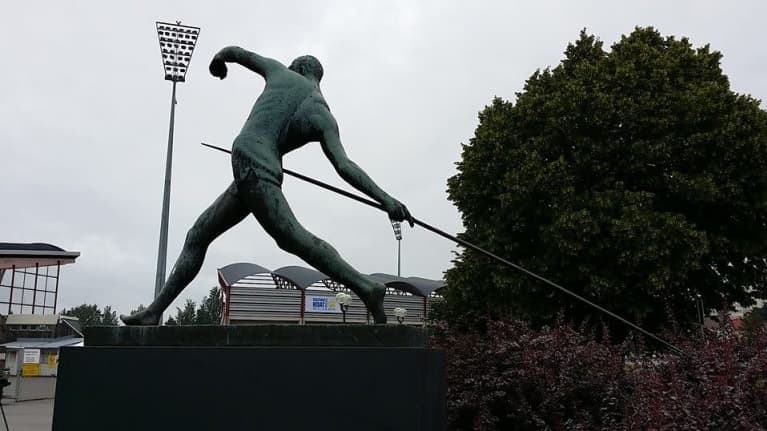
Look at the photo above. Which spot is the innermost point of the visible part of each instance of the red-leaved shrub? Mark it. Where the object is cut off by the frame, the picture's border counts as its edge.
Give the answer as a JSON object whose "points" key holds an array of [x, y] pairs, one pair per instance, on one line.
{"points": [[512, 377]]}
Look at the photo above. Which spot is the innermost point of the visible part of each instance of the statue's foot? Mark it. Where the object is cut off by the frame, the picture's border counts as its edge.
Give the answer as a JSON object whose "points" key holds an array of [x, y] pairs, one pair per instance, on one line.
{"points": [[373, 300], [141, 318]]}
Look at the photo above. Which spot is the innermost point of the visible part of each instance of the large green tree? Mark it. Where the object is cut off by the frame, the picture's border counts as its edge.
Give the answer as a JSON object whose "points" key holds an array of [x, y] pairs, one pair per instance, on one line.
{"points": [[756, 318], [634, 176]]}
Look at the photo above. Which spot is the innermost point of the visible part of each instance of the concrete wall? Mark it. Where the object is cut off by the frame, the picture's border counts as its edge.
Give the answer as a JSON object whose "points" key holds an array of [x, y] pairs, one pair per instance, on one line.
{"points": [[32, 388]]}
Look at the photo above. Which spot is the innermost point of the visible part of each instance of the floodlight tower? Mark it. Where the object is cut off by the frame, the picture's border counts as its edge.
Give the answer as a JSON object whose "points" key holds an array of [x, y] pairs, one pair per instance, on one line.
{"points": [[397, 227], [177, 43]]}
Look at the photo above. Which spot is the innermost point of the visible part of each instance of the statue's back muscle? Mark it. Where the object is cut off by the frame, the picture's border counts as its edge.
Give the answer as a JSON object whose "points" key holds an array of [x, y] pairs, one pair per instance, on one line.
{"points": [[277, 124]]}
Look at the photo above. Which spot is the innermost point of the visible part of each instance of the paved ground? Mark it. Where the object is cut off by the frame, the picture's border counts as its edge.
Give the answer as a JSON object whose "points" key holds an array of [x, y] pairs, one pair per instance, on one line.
{"points": [[28, 415]]}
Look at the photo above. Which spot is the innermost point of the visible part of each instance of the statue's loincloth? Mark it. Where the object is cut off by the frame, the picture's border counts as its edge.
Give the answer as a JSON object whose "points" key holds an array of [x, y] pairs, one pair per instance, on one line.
{"points": [[250, 170]]}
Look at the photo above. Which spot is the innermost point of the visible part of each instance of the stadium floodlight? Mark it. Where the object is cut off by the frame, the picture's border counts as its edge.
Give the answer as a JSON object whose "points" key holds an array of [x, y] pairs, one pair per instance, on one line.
{"points": [[177, 44], [397, 227]]}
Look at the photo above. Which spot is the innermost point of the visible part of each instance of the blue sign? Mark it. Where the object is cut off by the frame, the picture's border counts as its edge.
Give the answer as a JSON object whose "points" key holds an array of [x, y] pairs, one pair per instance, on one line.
{"points": [[321, 304]]}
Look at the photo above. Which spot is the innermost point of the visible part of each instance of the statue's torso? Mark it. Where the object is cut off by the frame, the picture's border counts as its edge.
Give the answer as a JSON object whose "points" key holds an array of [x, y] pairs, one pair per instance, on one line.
{"points": [[278, 123]]}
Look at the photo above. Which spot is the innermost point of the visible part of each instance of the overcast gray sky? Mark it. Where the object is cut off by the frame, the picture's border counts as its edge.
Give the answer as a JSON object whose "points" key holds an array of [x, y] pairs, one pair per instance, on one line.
{"points": [[84, 117]]}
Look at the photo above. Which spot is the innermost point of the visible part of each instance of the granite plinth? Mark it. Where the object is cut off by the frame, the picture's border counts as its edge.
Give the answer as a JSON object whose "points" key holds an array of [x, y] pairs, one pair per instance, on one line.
{"points": [[259, 335]]}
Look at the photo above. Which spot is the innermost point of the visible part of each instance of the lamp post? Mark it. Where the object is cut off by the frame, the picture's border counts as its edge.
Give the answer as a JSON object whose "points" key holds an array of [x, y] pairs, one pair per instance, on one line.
{"points": [[400, 313], [344, 300], [397, 227], [177, 43]]}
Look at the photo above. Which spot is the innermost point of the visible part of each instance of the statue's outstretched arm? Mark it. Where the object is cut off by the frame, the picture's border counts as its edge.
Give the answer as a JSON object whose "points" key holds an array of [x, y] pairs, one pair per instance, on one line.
{"points": [[357, 178], [234, 54]]}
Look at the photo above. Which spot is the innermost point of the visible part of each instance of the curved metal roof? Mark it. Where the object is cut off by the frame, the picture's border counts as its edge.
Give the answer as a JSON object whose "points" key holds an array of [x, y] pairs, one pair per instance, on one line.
{"points": [[426, 285], [237, 271], [300, 276], [303, 277], [415, 285]]}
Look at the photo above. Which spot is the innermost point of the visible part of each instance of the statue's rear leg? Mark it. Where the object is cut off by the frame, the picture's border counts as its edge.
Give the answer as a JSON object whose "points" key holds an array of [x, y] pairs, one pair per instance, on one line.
{"points": [[225, 212], [273, 212]]}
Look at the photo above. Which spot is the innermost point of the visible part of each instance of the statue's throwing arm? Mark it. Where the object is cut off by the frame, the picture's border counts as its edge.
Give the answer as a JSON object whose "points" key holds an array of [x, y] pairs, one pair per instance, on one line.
{"points": [[250, 60]]}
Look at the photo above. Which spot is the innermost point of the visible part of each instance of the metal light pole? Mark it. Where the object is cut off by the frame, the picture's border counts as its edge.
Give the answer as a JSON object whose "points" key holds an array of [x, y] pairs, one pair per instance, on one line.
{"points": [[177, 43], [397, 226]]}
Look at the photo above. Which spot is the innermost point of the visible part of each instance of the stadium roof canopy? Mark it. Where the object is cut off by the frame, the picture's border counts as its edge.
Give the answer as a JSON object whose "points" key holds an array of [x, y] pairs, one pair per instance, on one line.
{"points": [[26, 255], [302, 278]]}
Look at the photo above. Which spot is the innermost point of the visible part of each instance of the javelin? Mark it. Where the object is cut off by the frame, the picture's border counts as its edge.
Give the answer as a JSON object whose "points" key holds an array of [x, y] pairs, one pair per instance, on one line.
{"points": [[475, 248]]}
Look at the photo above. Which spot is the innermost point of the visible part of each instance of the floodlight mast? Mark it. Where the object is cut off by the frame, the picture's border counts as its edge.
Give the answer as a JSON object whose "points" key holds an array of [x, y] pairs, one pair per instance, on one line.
{"points": [[177, 43], [397, 227]]}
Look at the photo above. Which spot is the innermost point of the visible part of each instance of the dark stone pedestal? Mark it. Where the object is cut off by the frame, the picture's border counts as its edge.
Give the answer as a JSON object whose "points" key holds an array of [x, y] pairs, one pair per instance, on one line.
{"points": [[335, 385], [259, 335]]}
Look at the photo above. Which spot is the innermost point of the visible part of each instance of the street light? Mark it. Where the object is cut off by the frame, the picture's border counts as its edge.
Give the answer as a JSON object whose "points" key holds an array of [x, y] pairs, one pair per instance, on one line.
{"points": [[344, 300], [400, 313], [177, 43], [397, 227]]}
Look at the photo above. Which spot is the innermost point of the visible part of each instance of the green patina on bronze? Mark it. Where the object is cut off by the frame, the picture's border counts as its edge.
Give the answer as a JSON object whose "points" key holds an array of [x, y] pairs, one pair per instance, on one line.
{"points": [[290, 113]]}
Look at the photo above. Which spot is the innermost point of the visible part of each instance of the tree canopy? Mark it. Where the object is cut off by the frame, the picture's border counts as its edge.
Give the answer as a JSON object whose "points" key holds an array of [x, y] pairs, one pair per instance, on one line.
{"points": [[92, 315], [634, 176], [208, 313], [211, 308], [186, 315]]}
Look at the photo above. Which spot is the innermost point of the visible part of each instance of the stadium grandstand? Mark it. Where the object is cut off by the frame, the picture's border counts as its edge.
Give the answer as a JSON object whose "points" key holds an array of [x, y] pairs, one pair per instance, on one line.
{"points": [[294, 294]]}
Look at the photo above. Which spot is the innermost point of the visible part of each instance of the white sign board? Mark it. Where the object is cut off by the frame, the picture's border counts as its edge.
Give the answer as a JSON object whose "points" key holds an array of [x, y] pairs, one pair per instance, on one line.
{"points": [[31, 356], [321, 304]]}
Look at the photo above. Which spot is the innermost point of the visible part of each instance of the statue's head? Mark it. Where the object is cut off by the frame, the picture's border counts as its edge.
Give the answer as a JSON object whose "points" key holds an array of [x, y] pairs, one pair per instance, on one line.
{"points": [[307, 66]]}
